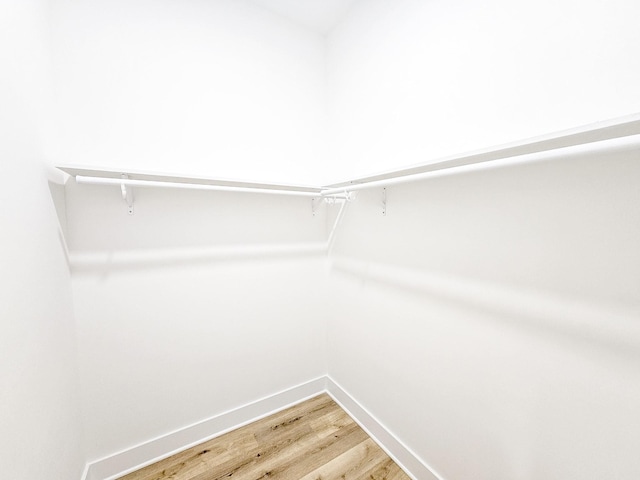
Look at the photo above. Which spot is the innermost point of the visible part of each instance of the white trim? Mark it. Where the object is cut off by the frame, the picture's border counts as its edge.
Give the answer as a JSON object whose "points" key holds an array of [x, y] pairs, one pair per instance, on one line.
{"points": [[406, 459], [141, 455]]}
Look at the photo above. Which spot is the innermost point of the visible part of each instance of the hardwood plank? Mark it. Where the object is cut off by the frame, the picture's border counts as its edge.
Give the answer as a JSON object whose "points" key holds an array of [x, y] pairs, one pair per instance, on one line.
{"points": [[235, 444], [280, 463], [313, 440], [383, 470], [348, 465], [306, 459]]}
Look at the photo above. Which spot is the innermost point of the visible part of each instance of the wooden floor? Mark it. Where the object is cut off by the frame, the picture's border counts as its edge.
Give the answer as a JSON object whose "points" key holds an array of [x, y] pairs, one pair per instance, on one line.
{"points": [[315, 440]]}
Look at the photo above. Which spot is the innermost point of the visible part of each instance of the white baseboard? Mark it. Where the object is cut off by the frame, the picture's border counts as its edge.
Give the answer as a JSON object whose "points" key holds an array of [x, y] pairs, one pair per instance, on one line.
{"points": [[395, 448], [131, 459], [136, 457]]}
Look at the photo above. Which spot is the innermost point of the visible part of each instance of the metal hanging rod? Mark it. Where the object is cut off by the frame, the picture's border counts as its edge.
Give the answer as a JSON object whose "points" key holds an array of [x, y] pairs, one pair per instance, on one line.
{"points": [[87, 180]]}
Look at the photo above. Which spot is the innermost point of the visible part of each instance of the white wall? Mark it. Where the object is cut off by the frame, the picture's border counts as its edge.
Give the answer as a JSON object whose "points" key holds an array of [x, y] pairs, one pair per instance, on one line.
{"points": [[218, 88], [505, 348], [411, 81], [39, 407], [490, 319], [185, 310]]}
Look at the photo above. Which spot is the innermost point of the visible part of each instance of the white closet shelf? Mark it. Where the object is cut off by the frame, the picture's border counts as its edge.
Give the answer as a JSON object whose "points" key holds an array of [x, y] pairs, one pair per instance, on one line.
{"points": [[608, 132], [110, 176]]}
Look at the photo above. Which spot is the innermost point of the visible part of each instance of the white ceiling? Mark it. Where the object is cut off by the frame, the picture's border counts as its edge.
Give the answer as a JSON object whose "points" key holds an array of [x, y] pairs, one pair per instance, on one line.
{"points": [[318, 15]]}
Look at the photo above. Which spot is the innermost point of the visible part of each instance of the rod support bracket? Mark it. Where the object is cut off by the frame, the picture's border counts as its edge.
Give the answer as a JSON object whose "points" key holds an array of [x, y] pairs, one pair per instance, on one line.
{"points": [[127, 193], [384, 202]]}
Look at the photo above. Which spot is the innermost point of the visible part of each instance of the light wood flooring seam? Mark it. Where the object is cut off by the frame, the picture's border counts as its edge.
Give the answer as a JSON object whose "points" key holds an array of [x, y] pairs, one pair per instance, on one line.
{"points": [[314, 440]]}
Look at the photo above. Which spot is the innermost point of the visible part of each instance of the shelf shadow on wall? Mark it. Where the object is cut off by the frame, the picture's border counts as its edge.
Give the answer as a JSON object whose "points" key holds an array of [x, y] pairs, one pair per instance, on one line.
{"points": [[614, 327], [105, 262]]}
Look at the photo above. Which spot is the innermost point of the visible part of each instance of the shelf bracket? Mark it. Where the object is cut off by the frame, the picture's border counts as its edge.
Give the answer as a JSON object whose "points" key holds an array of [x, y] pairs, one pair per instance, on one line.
{"points": [[384, 202], [127, 193], [315, 202]]}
